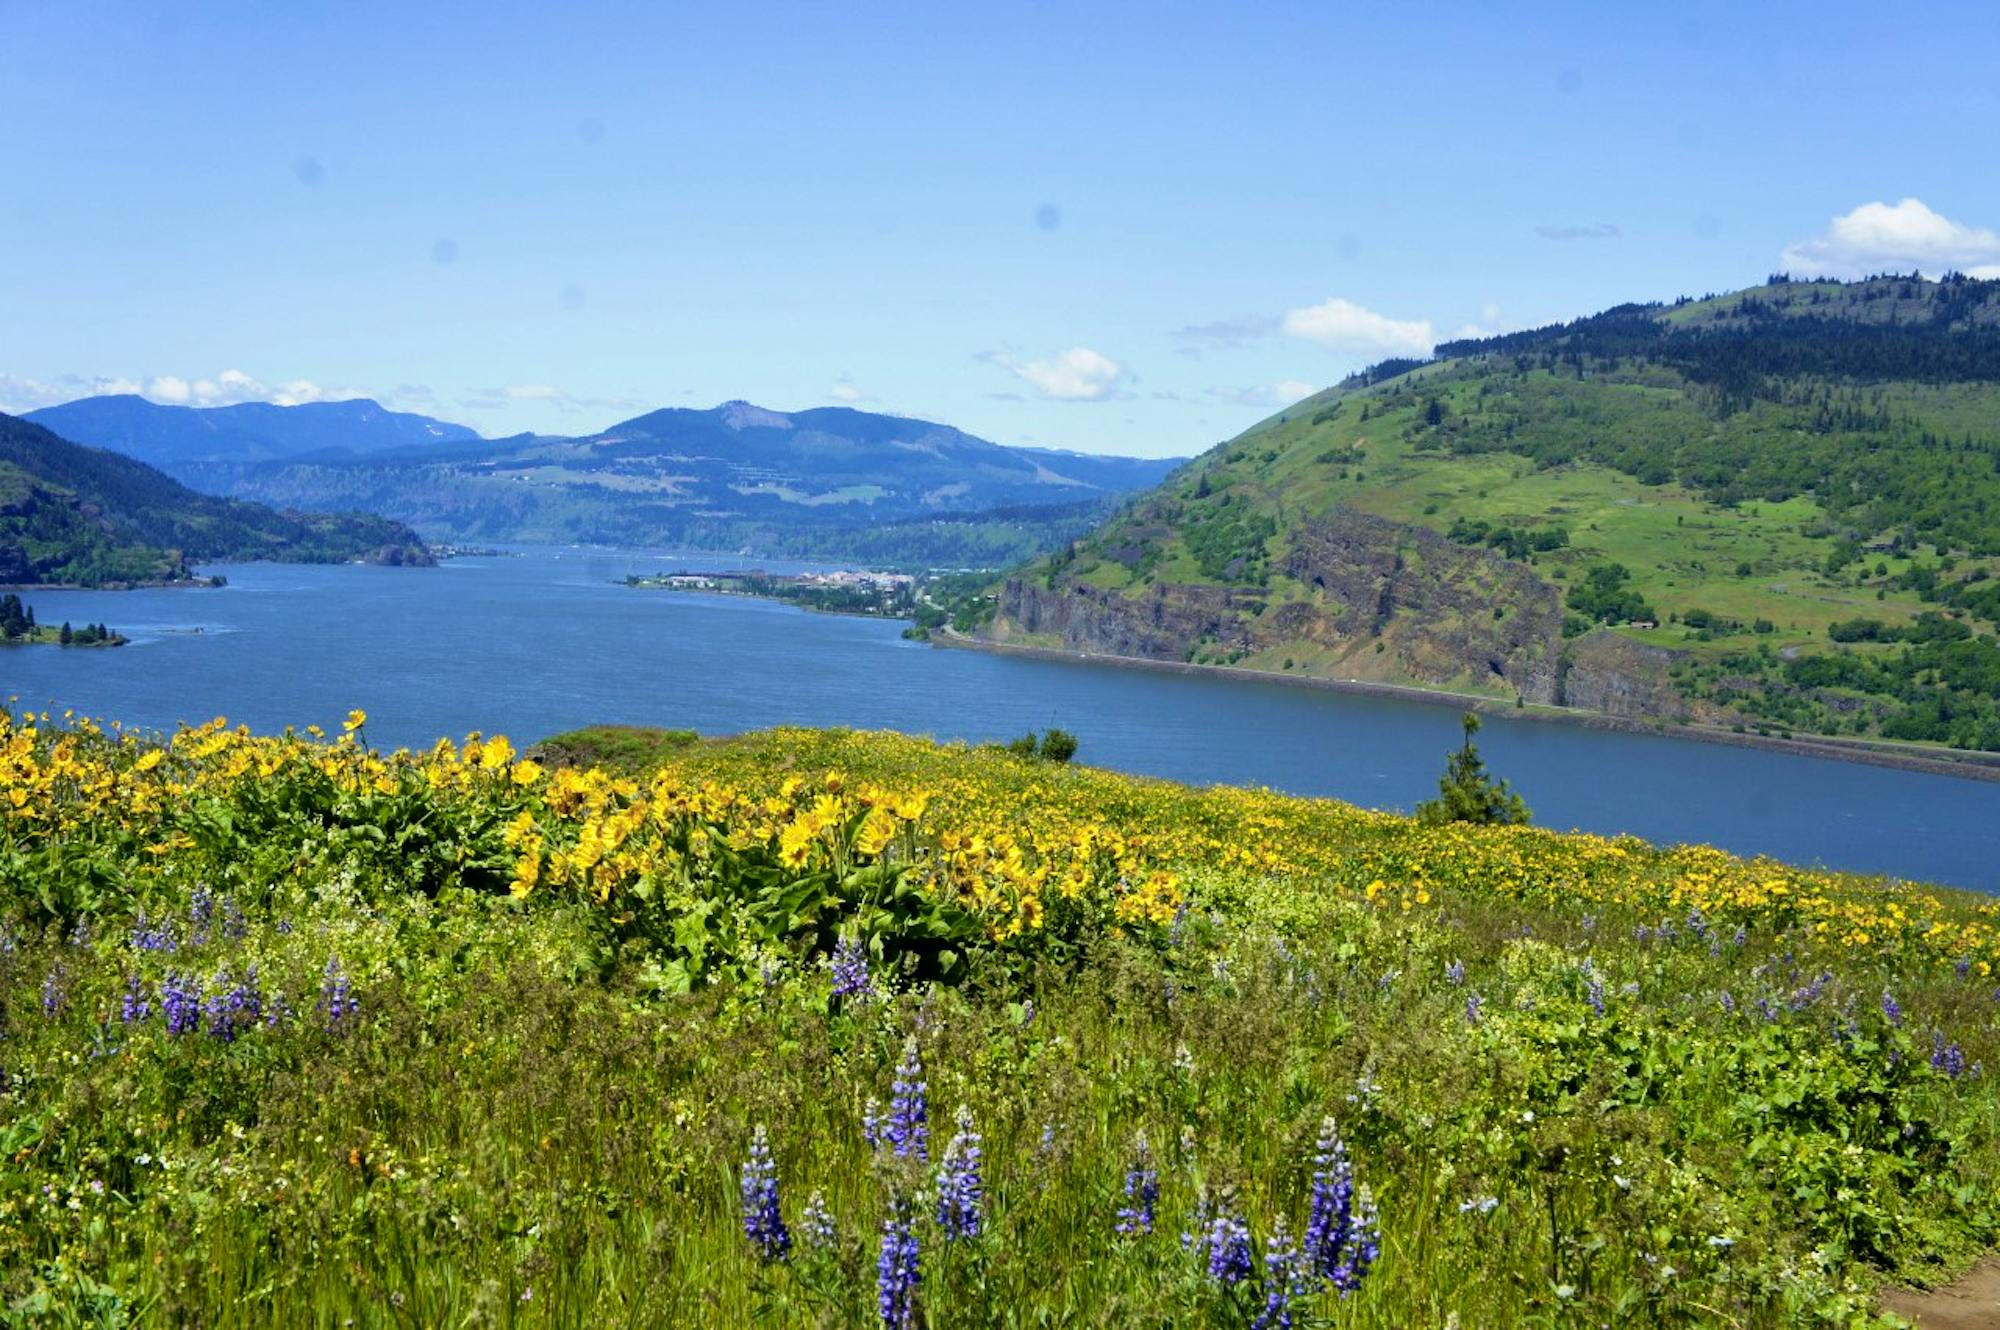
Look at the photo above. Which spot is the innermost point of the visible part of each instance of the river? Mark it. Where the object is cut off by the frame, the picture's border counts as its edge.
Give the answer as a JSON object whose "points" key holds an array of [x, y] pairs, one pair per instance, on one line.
{"points": [[548, 640]]}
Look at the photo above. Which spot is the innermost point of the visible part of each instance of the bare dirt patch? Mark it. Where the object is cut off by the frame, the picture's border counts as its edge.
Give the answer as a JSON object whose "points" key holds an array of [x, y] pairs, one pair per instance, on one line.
{"points": [[1972, 1303]]}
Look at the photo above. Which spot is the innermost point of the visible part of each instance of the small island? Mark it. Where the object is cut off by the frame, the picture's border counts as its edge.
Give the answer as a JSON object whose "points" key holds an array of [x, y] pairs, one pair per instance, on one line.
{"points": [[879, 595], [18, 626]]}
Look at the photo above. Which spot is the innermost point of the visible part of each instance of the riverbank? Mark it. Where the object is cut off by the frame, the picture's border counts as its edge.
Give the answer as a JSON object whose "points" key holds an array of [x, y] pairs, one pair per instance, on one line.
{"points": [[1972, 766]]}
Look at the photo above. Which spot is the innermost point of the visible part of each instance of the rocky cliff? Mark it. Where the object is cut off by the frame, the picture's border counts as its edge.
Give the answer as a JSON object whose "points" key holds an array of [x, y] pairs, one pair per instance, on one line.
{"points": [[1350, 595]]}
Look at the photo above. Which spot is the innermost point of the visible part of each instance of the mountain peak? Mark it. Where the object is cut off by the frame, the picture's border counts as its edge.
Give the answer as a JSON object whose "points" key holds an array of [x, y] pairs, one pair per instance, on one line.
{"points": [[741, 415]]}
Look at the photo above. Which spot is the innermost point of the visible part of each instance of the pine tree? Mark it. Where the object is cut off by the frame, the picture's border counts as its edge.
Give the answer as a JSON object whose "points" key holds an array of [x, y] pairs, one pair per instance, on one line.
{"points": [[1466, 793]]}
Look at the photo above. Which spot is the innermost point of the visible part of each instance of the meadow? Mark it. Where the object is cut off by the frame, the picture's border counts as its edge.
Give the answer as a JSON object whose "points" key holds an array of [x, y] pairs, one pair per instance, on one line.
{"points": [[835, 1028]]}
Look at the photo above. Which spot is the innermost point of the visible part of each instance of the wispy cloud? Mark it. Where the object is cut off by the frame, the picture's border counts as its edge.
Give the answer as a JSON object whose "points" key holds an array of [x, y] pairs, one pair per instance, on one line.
{"points": [[1592, 231], [1342, 325], [848, 393], [1225, 334], [1895, 237], [544, 395], [1266, 396]]}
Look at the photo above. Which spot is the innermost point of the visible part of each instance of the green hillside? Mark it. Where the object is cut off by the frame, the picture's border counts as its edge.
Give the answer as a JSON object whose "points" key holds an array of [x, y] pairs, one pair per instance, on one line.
{"points": [[1777, 509], [88, 517]]}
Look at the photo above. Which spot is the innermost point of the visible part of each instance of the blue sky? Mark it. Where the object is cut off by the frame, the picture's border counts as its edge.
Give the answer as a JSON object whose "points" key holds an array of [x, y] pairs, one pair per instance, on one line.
{"points": [[1119, 228]]}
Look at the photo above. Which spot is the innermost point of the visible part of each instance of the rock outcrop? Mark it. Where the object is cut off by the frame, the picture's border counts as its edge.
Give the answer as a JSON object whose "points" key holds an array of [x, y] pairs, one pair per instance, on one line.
{"points": [[1360, 595]]}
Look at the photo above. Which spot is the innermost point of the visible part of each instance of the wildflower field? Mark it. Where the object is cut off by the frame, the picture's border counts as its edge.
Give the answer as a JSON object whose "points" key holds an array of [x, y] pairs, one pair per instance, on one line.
{"points": [[840, 1029]]}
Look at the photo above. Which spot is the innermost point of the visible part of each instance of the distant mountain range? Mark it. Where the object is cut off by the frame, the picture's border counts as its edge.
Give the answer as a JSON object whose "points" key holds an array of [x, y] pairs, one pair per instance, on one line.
{"points": [[1776, 509], [173, 436], [828, 481], [91, 517]]}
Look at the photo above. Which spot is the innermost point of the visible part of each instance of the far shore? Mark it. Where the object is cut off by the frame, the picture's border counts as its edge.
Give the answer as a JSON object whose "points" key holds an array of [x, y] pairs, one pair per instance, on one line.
{"points": [[1972, 766]]}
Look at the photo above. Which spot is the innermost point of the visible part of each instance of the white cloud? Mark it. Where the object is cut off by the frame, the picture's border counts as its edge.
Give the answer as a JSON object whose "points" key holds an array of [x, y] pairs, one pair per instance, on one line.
{"points": [[847, 392], [1268, 396], [170, 388], [1884, 237], [1342, 325], [1077, 375]]}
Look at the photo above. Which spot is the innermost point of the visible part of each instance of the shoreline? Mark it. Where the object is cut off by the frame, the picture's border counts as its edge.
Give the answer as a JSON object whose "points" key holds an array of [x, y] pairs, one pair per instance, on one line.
{"points": [[1985, 767]]}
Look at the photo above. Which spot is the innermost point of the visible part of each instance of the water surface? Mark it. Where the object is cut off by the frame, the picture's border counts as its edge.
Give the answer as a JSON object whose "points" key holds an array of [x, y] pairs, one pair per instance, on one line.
{"points": [[548, 641]]}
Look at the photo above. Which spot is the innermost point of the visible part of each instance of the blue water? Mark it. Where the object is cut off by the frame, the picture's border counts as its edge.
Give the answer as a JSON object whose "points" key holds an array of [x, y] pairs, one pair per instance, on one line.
{"points": [[532, 645]]}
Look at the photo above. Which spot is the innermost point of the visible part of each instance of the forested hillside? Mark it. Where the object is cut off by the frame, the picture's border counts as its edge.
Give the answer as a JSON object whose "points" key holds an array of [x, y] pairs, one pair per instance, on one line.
{"points": [[88, 517], [1776, 509]]}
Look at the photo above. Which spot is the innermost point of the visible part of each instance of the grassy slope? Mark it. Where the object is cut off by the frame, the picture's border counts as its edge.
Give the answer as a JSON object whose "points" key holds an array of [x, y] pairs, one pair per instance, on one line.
{"points": [[1685, 552], [512, 1129]]}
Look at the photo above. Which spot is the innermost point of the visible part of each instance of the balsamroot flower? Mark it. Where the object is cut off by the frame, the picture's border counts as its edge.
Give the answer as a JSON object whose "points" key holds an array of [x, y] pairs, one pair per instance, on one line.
{"points": [[1142, 1190], [763, 1222], [961, 1186], [898, 1271]]}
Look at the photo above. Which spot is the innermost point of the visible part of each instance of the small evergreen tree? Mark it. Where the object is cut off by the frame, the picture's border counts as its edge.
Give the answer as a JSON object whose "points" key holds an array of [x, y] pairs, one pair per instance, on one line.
{"points": [[1058, 745], [65, 636], [1466, 793]]}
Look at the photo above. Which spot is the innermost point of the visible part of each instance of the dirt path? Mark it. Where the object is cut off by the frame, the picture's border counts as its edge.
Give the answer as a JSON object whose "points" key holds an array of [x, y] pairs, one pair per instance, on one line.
{"points": [[1973, 1303]]}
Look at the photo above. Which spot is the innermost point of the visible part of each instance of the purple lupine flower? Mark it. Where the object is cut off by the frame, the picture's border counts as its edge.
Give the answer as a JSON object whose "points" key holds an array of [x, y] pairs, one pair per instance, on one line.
{"points": [[277, 1010], [180, 1003], [817, 1232], [1224, 1241], [201, 912], [337, 1003], [1455, 972], [80, 935], [1330, 1220], [1142, 1191], [873, 1123], [55, 991], [961, 1186], [135, 1007], [147, 936], [1363, 1246], [1595, 996], [1286, 1280], [1892, 1008], [907, 1129], [1474, 1005], [1812, 992], [1728, 1001], [763, 1221], [1947, 1058], [1770, 1012], [898, 1271], [234, 926], [1964, 966], [232, 1008], [850, 971]]}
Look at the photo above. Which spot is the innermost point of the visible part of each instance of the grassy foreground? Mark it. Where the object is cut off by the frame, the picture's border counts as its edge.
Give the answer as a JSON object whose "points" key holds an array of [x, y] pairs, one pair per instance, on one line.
{"points": [[297, 1033]]}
